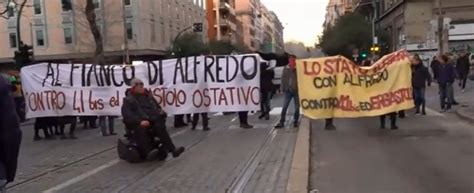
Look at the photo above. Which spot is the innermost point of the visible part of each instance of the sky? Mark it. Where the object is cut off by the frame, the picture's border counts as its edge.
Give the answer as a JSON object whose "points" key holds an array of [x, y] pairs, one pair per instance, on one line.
{"points": [[302, 19]]}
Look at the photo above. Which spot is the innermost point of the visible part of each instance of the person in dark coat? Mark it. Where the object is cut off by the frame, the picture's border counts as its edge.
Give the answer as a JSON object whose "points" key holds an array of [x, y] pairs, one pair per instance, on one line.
{"points": [[434, 67], [463, 67], [10, 135], [142, 113], [266, 87], [446, 76], [420, 78]]}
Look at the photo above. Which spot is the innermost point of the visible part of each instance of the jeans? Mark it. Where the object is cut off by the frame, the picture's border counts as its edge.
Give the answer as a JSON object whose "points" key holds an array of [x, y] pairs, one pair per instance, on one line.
{"points": [[288, 96], [419, 96], [446, 95], [265, 104], [103, 125]]}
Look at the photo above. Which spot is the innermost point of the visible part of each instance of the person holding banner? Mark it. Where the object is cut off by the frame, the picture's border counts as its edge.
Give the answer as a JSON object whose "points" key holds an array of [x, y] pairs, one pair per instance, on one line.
{"points": [[266, 87], [142, 113], [289, 85]]}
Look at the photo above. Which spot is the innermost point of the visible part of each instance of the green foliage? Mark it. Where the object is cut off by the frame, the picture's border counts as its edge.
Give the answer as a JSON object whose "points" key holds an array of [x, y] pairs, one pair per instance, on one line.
{"points": [[191, 44], [350, 31], [188, 44]]}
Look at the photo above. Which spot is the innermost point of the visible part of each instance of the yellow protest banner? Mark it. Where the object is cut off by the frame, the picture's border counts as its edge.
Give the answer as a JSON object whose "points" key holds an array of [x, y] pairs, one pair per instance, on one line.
{"points": [[336, 87]]}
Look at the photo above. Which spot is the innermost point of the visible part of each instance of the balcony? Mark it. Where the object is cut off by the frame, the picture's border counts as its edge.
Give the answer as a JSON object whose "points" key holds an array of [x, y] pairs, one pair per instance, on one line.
{"points": [[227, 23], [226, 7]]}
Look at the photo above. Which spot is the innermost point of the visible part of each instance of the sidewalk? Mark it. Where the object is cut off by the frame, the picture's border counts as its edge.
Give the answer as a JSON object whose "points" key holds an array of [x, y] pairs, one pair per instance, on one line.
{"points": [[465, 110]]}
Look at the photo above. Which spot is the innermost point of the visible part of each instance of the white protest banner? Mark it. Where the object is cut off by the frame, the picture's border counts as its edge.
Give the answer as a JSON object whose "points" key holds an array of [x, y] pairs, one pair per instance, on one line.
{"points": [[181, 86]]}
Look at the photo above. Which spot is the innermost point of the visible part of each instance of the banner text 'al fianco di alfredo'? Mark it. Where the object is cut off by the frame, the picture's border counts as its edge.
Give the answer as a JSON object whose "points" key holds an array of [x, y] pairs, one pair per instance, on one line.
{"points": [[336, 87], [181, 86]]}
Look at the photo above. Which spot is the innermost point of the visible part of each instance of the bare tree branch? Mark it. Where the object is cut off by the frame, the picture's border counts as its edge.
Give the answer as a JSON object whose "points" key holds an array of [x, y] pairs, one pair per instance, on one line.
{"points": [[91, 18]]}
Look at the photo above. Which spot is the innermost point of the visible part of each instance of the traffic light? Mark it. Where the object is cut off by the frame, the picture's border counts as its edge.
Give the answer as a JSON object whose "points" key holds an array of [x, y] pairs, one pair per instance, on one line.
{"points": [[24, 55], [197, 27], [363, 54], [375, 48]]}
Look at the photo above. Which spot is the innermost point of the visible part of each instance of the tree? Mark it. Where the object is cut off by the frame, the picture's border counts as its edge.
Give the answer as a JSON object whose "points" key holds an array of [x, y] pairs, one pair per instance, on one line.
{"points": [[350, 31], [188, 44], [221, 47], [91, 19]]}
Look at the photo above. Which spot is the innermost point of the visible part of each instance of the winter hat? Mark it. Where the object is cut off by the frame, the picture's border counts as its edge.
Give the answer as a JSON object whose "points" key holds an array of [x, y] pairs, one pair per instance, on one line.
{"points": [[135, 81]]}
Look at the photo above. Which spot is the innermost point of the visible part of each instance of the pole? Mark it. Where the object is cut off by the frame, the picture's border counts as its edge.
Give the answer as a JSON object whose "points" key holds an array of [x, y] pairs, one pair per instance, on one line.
{"points": [[125, 38], [440, 28]]}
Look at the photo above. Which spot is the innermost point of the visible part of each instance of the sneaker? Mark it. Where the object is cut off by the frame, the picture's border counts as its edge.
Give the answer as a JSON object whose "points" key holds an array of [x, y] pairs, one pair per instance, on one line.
{"points": [[206, 129], [246, 126], [178, 151], [423, 113], [193, 128], [261, 116], [382, 127], [394, 127], [279, 126], [417, 112], [152, 155], [112, 133], [463, 91]]}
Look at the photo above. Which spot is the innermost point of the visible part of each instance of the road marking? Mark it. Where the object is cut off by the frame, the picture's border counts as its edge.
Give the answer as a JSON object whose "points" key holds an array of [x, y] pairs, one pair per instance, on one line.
{"points": [[94, 171], [81, 177], [277, 111]]}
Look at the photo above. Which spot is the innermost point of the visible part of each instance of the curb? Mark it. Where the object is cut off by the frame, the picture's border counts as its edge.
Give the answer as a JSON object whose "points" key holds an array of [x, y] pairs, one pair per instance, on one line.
{"points": [[463, 116], [299, 170]]}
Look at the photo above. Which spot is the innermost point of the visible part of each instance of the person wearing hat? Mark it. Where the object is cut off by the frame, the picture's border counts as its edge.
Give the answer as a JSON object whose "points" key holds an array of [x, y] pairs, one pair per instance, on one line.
{"points": [[142, 113]]}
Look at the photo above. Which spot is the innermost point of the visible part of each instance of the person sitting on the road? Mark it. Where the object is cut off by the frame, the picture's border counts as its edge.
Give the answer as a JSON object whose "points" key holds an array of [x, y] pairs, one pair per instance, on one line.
{"points": [[10, 135], [142, 113]]}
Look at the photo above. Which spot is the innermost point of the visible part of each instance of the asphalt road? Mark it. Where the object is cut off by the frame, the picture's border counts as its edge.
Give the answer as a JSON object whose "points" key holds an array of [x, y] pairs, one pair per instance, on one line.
{"points": [[428, 154]]}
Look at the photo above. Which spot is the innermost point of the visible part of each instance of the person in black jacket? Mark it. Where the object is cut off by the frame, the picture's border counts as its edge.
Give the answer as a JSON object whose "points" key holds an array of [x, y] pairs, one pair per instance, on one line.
{"points": [[266, 87], [434, 67], [420, 77], [446, 76], [463, 67], [10, 135], [142, 113]]}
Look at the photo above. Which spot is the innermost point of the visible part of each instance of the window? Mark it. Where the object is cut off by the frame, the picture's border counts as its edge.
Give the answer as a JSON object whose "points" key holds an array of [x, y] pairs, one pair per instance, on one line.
{"points": [[129, 31], [126, 2], [96, 4], [37, 7], [67, 35], [12, 40], [66, 5], [10, 12], [39, 38]]}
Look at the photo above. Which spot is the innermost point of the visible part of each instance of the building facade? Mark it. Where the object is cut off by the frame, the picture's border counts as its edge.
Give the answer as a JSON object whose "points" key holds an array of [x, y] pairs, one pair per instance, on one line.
{"points": [[336, 9], [413, 25], [261, 28], [58, 29], [222, 20]]}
